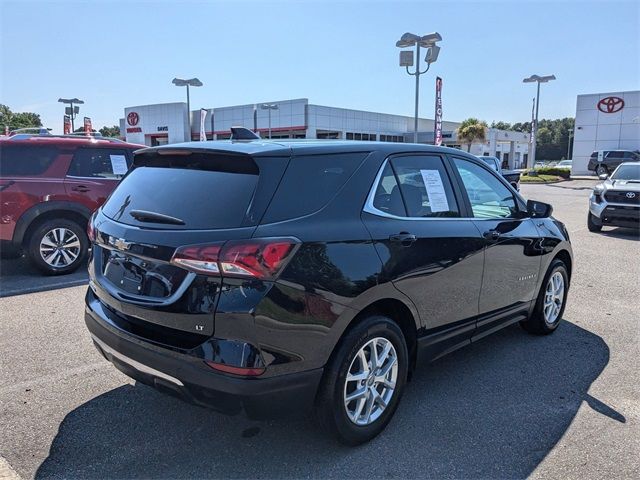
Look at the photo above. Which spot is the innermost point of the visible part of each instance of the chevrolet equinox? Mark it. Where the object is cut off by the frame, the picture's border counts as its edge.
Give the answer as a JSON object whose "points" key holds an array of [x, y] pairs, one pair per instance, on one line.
{"points": [[273, 277]]}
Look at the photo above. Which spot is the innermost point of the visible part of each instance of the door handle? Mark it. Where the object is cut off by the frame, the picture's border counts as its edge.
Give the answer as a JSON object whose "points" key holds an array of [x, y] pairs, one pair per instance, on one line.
{"points": [[405, 239], [80, 188], [492, 235]]}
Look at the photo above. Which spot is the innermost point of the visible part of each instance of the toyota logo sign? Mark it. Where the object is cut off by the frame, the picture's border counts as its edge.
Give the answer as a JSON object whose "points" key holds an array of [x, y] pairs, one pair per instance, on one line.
{"points": [[610, 104], [133, 118], [631, 195]]}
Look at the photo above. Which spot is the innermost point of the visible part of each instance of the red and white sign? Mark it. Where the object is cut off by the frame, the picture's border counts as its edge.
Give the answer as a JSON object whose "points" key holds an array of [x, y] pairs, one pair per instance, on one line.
{"points": [[437, 134], [203, 134], [66, 125], [611, 104], [133, 118], [87, 125]]}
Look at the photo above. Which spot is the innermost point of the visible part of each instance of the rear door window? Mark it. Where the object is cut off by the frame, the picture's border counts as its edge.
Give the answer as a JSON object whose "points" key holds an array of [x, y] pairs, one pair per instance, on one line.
{"points": [[25, 161], [309, 183], [99, 163], [424, 186]]}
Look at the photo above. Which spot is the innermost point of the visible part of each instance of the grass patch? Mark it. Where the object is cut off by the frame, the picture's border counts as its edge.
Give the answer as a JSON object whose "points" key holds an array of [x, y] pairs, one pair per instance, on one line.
{"points": [[541, 178]]}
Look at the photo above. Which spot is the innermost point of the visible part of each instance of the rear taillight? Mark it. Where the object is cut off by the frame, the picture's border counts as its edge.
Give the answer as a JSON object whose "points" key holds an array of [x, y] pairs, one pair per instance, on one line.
{"points": [[261, 258]]}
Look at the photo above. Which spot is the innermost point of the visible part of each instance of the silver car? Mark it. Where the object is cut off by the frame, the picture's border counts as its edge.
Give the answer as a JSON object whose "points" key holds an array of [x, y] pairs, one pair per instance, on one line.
{"points": [[616, 201]]}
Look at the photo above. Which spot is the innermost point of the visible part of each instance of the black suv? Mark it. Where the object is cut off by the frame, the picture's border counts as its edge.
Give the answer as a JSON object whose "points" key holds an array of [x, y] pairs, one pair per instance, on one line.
{"points": [[273, 277], [603, 162]]}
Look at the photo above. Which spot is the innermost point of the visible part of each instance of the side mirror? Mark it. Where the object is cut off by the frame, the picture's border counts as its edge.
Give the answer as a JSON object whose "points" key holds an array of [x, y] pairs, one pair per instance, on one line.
{"points": [[537, 209], [603, 176]]}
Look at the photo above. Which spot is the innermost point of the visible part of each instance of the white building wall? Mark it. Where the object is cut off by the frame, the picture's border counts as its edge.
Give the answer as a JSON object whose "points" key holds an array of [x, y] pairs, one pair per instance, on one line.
{"points": [[152, 121], [596, 130]]}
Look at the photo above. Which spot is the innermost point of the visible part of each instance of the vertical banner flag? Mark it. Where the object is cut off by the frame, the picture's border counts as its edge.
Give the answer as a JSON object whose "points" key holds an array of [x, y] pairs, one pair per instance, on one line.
{"points": [[6, 130], [87, 125], [203, 133], [66, 125], [437, 134]]}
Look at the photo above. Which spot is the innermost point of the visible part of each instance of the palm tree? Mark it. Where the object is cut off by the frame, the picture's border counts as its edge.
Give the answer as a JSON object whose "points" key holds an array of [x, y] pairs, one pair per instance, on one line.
{"points": [[471, 130]]}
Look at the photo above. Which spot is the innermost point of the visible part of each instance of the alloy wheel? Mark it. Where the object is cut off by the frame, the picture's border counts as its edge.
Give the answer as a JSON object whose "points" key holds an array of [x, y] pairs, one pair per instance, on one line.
{"points": [[553, 298], [371, 381], [60, 247]]}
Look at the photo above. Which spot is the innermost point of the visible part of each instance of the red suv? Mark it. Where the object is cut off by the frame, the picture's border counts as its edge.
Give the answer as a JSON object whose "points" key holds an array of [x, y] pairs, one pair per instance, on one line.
{"points": [[49, 186]]}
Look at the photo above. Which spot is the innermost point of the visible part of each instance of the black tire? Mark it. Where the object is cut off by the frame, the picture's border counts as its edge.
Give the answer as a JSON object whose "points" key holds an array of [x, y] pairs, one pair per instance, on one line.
{"points": [[536, 323], [602, 169], [330, 411], [38, 234], [593, 223]]}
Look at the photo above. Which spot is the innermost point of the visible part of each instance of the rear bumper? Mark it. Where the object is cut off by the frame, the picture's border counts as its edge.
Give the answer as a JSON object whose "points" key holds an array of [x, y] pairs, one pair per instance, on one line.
{"points": [[189, 378]]}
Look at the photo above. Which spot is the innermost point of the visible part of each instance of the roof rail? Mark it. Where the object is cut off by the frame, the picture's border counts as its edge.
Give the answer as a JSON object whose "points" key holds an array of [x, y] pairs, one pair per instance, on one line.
{"points": [[24, 136], [243, 133]]}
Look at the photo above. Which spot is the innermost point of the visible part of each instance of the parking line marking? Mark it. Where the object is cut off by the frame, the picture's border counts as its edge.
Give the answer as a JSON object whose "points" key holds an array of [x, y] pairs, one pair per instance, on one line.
{"points": [[6, 472]]}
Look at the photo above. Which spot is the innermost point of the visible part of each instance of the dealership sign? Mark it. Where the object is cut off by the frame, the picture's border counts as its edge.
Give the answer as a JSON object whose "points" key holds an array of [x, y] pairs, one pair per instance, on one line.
{"points": [[437, 136], [132, 119], [611, 104]]}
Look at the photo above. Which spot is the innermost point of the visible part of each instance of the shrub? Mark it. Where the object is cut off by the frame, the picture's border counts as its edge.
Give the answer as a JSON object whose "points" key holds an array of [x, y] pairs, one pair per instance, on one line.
{"points": [[560, 172]]}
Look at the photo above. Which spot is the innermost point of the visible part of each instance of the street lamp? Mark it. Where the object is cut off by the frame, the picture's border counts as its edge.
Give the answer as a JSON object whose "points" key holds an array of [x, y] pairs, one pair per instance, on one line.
{"points": [[71, 110], [406, 60], [193, 82], [534, 128], [269, 107]]}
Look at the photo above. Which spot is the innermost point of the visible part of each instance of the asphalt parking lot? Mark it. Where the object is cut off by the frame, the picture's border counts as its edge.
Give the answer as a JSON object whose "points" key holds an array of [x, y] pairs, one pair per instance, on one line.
{"points": [[510, 406]]}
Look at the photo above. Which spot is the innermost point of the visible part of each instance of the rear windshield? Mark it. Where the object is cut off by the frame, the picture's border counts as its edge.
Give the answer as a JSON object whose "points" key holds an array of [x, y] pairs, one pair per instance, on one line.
{"points": [[25, 161], [202, 199]]}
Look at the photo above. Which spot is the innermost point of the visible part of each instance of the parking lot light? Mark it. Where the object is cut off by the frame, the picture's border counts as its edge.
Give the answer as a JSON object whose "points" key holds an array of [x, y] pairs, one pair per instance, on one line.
{"points": [[193, 82], [406, 60], [534, 128], [73, 110], [269, 107]]}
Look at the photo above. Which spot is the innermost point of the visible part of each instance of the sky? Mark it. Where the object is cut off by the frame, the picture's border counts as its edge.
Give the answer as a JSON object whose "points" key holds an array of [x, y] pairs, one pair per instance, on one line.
{"points": [[115, 54]]}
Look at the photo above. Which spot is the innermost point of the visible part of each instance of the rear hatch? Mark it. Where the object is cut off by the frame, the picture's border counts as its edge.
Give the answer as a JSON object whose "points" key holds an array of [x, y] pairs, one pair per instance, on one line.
{"points": [[158, 236]]}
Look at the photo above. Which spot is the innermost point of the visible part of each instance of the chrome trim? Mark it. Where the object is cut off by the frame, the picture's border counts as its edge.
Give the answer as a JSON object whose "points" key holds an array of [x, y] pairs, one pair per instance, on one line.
{"points": [[94, 178], [135, 364], [369, 208]]}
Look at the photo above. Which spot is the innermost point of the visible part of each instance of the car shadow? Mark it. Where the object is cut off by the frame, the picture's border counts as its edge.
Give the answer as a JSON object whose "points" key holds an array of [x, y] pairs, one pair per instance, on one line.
{"points": [[620, 232], [18, 276], [494, 409]]}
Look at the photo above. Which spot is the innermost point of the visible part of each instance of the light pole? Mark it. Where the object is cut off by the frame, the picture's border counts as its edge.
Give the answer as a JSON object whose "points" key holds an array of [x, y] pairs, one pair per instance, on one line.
{"points": [[534, 128], [194, 82], [71, 110], [569, 144], [269, 107], [406, 60]]}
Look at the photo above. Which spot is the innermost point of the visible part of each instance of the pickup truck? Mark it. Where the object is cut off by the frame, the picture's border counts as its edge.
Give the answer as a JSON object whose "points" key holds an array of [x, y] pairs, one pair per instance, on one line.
{"points": [[511, 176]]}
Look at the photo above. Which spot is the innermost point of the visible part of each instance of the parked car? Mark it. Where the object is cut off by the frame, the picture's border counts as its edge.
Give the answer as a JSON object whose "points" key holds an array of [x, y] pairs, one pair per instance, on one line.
{"points": [[511, 176], [565, 164], [616, 201], [49, 186], [603, 162], [274, 277]]}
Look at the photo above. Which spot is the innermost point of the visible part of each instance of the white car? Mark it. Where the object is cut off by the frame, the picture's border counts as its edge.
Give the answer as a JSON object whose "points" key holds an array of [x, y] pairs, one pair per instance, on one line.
{"points": [[616, 201], [565, 164]]}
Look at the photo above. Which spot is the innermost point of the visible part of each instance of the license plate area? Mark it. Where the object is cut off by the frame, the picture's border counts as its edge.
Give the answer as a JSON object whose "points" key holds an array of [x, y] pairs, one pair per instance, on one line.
{"points": [[141, 277]]}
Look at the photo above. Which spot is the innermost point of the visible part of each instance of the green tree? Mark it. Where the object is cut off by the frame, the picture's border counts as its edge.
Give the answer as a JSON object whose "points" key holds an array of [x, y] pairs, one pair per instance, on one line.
{"points": [[15, 120], [471, 130], [110, 131], [501, 125]]}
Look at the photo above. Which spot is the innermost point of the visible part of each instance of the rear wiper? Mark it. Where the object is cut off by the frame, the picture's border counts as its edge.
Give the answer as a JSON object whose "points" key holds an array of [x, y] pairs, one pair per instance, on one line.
{"points": [[144, 216]]}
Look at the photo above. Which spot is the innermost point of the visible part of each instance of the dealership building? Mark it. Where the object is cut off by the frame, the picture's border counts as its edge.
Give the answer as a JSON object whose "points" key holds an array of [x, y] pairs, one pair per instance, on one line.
{"points": [[605, 121], [166, 123]]}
